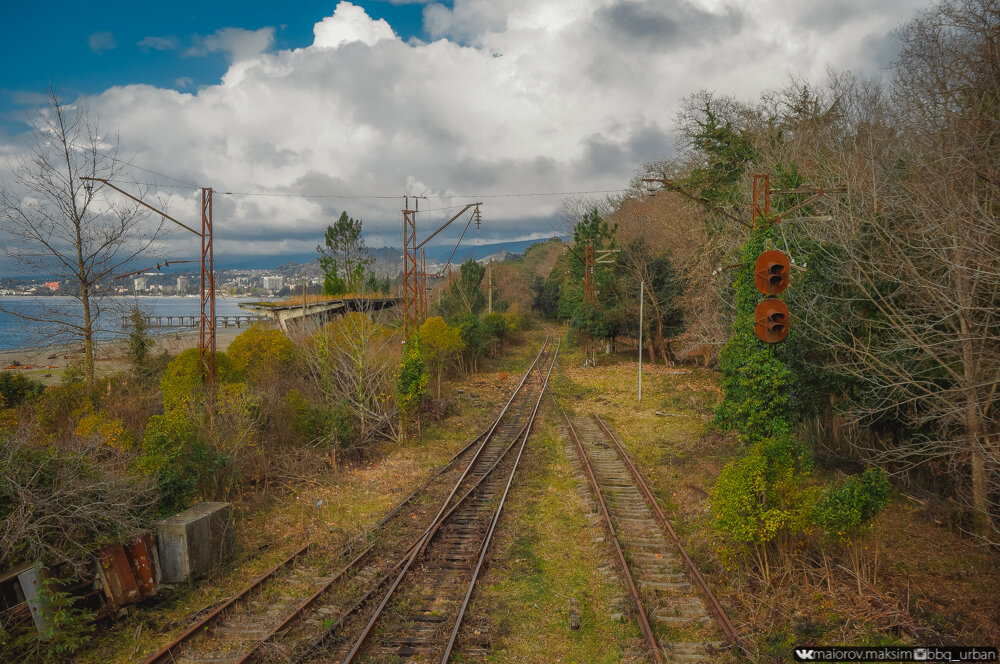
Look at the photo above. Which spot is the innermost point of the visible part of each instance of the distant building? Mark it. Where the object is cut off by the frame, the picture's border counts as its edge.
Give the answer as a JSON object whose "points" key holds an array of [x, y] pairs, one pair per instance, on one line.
{"points": [[139, 283], [52, 285], [183, 284], [272, 283]]}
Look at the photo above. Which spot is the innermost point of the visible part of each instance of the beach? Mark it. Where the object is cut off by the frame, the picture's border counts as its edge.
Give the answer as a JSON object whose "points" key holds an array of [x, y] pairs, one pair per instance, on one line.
{"points": [[47, 363]]}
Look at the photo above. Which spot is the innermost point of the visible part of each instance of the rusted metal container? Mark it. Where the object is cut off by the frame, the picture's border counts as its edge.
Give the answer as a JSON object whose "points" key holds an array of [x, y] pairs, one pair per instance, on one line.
{"points": [[142, 556], [117, 579]]}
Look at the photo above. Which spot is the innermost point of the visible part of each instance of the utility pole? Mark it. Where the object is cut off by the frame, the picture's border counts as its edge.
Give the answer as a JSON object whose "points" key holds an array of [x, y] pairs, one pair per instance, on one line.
{"points": [[411, 285], [489, 288], [206, 321], [642, 294], [414, 279]]}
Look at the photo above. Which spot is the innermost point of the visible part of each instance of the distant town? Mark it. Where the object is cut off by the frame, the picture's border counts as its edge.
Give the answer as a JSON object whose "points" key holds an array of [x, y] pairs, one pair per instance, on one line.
{"points": [[282, 281]]}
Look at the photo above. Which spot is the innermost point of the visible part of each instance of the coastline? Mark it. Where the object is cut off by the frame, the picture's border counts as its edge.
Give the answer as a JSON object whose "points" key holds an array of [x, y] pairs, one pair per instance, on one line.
{"points": [[47, 363]]}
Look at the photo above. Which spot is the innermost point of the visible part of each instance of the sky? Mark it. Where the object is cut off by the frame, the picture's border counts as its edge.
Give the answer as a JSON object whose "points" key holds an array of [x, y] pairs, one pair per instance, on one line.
{"points": [[304, 109]]}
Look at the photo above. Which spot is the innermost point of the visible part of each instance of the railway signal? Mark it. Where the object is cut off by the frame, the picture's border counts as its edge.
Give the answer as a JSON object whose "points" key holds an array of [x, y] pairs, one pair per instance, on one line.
{"points": [[771, 320], [770, 276], [771, 271]]}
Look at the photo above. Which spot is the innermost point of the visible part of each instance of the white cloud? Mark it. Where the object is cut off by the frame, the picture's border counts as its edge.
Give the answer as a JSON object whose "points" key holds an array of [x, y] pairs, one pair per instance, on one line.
{"points": [[102, 41], [167, 43], [238, 44], [511, 96], [348, 24], [184, 81]]}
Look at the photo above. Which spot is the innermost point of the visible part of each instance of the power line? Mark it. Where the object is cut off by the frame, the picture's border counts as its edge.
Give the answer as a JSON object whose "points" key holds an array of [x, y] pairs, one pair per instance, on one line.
{"points": [[440, 196]]}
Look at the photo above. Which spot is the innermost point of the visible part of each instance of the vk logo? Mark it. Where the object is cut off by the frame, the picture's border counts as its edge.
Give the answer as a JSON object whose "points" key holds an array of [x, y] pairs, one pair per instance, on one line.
{"points": [[803, 655]]}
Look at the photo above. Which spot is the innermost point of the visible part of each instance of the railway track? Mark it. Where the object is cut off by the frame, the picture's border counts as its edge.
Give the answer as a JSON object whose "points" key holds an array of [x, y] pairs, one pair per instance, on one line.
{"points": [[419, 615], [679, 616], [303, 602]]}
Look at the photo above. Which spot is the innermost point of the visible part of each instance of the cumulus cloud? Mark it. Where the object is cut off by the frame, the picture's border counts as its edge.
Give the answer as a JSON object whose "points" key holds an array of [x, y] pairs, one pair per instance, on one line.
{"points": [[348, 24], [102, 41], [507, 97], [238, 44]]}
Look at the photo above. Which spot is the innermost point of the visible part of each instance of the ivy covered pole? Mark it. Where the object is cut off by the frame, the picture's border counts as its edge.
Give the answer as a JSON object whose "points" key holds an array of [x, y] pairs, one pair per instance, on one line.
{"points": [[642, 292]]}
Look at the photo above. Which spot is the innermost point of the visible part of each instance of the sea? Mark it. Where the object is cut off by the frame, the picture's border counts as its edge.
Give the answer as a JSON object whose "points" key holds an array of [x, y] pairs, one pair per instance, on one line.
{"points": [[15, 332]]}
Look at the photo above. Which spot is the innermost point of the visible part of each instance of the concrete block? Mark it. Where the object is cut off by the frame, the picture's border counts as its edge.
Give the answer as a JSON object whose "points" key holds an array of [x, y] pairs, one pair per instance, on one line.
{"points": [[191, 543]]}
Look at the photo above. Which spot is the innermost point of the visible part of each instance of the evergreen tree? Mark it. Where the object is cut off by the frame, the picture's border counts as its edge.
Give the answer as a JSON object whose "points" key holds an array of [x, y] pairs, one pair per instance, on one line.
{"points": [[344, 256]]}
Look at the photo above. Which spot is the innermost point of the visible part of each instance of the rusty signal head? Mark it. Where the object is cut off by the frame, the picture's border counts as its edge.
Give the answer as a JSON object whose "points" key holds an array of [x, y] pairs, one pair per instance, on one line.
{"points": [[771, 320], [770, 272]]}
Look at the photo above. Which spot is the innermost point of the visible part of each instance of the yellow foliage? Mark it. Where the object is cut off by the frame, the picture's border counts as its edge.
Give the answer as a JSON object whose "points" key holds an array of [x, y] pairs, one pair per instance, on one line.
{"points": [[260, 351], [111, 432]]}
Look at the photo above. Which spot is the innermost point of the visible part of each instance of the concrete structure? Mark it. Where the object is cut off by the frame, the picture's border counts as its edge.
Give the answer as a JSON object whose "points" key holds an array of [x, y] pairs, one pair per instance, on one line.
{"points": [[287, 314], [194, 541], [140, 283], [183, 285]]}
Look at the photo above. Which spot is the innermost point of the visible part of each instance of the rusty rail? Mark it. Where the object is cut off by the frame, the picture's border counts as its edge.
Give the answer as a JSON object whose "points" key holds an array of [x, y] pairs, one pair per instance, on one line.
{"points": [[720, 614], [647, 630], [496, 517], [415, 552], [168, 652]]}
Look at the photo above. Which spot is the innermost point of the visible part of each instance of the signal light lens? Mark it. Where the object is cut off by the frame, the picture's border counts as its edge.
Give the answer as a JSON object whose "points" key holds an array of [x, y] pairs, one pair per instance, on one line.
{"points": [[771, 320], [771, 271]]}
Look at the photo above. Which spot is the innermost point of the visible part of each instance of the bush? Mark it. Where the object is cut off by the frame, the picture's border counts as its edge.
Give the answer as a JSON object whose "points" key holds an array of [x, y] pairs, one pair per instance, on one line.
{"points": [[182, 383], [56, 506], [17, 388], [182, 463], [760, 497], [69, 629], [110, 431], [59, 408], [411, 382], [259, 352], [845, 511]]}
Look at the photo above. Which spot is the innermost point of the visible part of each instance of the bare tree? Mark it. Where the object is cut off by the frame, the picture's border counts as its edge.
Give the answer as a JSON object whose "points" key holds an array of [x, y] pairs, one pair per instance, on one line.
{"points": [[353, 360], [916, 247], [59, 228]]}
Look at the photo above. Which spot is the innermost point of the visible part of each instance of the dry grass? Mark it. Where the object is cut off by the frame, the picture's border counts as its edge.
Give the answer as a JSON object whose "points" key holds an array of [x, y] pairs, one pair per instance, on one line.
{"points": [[269, 525], [547, 552], [934, 584]]}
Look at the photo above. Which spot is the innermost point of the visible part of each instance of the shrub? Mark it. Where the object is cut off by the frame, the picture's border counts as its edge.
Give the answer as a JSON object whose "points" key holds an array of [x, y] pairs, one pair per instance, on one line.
{"points": [[59, 408], [139, 343], [182, 463], [495, 328], [68, 630], [110, 431], [17, 388], [182, 383], [411, 382], [440, 346], [56, 505], [760, 497], [846, 511], [259, 352]]}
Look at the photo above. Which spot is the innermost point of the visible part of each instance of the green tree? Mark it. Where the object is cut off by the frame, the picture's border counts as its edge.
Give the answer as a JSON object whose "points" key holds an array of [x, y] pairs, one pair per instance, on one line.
{"points": [[344, 256], [466, 295], [139, 343], [603, 320], [440, 346]]}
